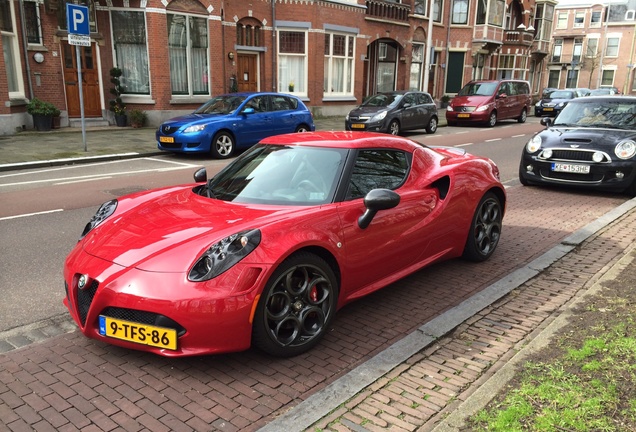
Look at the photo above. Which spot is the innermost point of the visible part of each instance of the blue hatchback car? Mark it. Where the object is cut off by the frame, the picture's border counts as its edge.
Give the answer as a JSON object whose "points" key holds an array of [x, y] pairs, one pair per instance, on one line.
{"points": [[234, 121]]}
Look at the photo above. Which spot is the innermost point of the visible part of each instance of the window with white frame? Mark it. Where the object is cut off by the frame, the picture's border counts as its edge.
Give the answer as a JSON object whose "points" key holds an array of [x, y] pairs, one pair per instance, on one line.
{"points": [[417, 64], [438, 5], [577, 50], [607, 78], [188, 52], [543, 19], [572, 78], [595, 19], [554, 76], [579, 19], [496, 12], [556, 50], [562, 20], [10, 50], [629, 15], [33, 25], [460, 12], [292, 60], [339, 71], [421, 7], [611, 48], [592, 47], [131, 52]]}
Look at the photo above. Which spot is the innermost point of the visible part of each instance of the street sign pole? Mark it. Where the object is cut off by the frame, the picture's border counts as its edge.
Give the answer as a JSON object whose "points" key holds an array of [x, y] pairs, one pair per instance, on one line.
{"points": [[79, 35]]}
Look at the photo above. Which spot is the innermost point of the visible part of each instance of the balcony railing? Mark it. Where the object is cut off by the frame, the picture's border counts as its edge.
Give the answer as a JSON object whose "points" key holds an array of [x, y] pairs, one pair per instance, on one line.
{"points": [[388, 10], [518, 37]]}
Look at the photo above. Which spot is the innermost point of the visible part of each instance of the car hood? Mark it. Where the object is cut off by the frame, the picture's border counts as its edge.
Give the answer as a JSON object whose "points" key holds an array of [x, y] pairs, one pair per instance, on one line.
{"points": [[553, 101], [367, 111], [585, 137], [474, 100], [167, 230], [194, 119]]}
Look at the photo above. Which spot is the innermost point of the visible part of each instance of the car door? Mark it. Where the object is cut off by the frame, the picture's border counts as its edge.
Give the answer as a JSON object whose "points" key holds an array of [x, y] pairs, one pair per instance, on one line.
{"points": [[285, 116], [254, 126], [396, 238], [426, 110], [409, 112]]}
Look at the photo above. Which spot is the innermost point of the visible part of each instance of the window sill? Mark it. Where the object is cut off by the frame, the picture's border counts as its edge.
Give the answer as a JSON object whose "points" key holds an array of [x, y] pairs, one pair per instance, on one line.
{"points": [[339, 99]]}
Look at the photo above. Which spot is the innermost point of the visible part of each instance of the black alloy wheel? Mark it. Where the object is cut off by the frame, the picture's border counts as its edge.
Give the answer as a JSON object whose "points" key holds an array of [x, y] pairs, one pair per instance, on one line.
{"points": [[485, 229]]}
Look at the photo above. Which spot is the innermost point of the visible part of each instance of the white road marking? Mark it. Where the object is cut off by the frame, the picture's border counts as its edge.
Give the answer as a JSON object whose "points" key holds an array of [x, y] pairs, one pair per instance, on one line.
{"points": [[464, 145], [83, 180], [494, 139], [31, 214]]}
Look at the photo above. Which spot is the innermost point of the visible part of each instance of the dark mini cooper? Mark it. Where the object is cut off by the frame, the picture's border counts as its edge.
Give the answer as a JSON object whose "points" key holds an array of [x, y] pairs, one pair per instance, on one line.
{"points": [[554, 102], [393, 112], [591, 144]]}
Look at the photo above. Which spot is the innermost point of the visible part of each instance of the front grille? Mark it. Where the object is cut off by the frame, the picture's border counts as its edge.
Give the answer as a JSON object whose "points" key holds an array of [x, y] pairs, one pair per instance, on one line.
{"points": [[171, 145], [143, 317], [84, 300], [575, 155], [169, 129]]}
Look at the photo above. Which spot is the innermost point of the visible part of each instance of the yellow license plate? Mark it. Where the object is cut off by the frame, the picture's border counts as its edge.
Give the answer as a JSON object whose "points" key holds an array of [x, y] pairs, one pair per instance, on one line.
{"points": [[548, 109], [160, 337], [166, 139], [357, 126], [463, 115]]}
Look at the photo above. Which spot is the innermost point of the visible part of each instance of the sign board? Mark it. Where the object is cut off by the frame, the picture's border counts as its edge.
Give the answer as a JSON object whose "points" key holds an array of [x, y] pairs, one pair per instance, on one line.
{"points": [[74, 39], [77, 20]]}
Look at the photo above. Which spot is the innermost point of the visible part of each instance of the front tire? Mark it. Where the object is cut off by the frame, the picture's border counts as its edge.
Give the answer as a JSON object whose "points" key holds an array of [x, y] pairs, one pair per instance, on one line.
{"points": [[222, 145], [485, 229], [394, 127], [492, 119], [432, 125], [296, 307]]}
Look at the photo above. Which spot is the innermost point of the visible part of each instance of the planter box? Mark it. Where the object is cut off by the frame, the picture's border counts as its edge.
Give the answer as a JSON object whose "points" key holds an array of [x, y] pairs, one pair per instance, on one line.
{"points": [[42, 122]]}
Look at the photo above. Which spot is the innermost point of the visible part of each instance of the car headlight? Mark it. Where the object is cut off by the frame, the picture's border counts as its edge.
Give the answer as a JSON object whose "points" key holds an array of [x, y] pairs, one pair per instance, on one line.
{"points": [[538, 104], [379, 116], [103, 212], [347, 117], [194, 128], [483, 108], [449, 108], [534, 145], [222, 255], [625, 149], [561, 104]]}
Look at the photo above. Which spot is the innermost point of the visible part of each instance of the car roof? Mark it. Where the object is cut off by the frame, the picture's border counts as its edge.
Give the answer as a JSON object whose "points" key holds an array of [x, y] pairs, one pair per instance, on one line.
{"points": [[247, 94], [343, 139], [606, 98]]}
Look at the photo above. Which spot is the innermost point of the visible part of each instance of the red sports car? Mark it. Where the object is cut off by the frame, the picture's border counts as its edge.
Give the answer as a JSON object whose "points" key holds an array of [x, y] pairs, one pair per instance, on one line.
{"points": [[266, 251]]}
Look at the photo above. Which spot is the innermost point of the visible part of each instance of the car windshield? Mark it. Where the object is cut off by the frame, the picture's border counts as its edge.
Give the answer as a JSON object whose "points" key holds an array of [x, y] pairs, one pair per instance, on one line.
{"points": [[281, 175], [220, 105], [478, 89], [618, 114], [561, 94], [383, 100]]}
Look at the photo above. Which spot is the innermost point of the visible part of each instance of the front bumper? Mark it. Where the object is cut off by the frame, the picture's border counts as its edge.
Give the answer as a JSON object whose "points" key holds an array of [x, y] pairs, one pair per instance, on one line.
{"points": [[615, 176], [469, 117], [209, 317], [366, 126], [184, 143]]}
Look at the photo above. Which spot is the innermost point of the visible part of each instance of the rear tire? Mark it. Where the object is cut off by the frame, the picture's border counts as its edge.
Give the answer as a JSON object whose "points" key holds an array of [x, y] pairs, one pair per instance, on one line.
{"points": [[485, 229], [222, 145], [432, 125], [302, 128], [523, 117]]}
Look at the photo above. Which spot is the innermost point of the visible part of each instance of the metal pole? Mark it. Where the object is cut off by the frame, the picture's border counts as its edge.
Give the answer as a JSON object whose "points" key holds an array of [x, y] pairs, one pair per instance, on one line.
{"points": [[429, 45], [81, 93]]}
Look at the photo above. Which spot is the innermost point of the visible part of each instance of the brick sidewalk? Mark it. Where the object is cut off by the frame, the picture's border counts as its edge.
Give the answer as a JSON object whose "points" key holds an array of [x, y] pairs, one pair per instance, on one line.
{"points": [[418, 394]]}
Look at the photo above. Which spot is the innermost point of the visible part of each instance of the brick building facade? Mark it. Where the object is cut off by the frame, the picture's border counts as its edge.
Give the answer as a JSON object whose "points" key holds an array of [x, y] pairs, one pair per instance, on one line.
{"points": [[332, 53]]}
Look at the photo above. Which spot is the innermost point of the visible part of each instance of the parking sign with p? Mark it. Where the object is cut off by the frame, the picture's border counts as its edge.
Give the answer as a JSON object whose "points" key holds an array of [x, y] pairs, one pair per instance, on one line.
{"points": [[77, 19]]}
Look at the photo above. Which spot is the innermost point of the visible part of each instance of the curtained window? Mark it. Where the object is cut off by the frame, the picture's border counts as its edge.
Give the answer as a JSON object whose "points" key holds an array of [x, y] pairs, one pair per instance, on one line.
{"points": [[292, 60], [131, 52], [338, 73], [10, 50], [460, 12], [417, 66], [188, 51]]}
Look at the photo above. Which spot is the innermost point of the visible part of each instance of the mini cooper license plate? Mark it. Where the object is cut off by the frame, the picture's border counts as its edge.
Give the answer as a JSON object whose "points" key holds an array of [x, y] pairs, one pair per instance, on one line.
{"points": [[570, 168], [166, 139], [463, 115], [144, 334], [357, 126]]}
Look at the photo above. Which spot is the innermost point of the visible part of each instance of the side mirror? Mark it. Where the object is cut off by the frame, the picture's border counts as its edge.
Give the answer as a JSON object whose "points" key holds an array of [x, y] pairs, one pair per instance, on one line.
{"points": [[201, 175], [546, 121], [249, 111], [376, 200]]}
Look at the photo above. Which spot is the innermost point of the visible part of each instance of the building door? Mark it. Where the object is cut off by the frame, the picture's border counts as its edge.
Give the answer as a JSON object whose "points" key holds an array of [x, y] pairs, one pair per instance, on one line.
{"points": [[247, 72], [90, 81]]}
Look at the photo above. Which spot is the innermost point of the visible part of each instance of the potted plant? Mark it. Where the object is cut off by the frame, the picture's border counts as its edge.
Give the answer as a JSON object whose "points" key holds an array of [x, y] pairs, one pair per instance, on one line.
{"points": [[444, 101], [43, 113], [291, 86], [137, 117], [117, 105]]}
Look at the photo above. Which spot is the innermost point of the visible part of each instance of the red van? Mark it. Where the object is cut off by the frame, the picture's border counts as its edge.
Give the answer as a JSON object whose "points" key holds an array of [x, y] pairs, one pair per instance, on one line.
{"points": [[490, 101]]}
